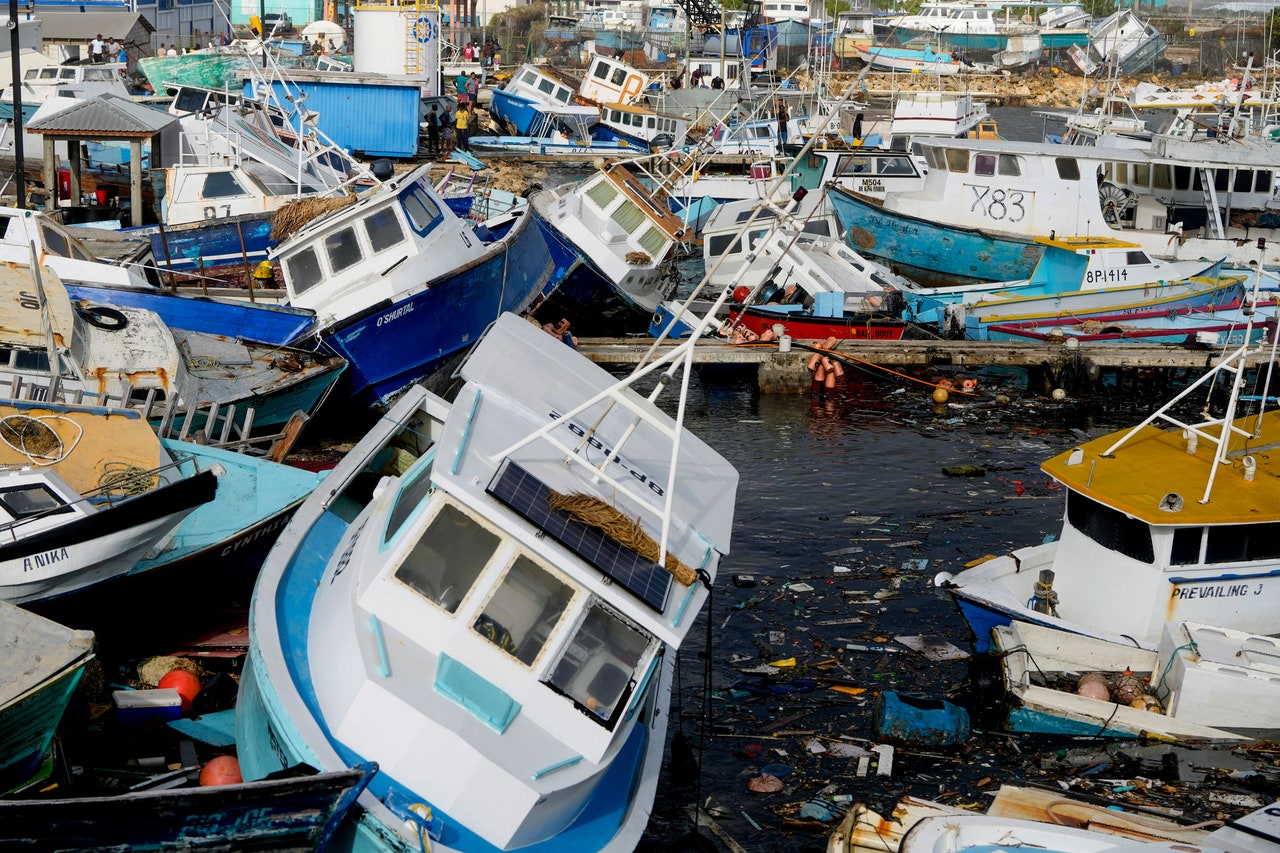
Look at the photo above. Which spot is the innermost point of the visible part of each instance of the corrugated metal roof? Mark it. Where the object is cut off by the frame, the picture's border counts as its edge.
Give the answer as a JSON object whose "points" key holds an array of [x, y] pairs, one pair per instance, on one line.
{"points": [[108, 115], [82, 26]]}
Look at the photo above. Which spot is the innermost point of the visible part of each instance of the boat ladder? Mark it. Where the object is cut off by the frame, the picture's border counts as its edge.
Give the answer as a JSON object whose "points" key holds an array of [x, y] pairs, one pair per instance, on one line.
{"points": [[1214, 223]]}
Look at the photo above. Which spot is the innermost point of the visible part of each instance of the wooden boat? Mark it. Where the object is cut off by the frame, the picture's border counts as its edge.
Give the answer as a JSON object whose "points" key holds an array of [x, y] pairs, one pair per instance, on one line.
{"points": [[1202, 683], [1161, 526], [397, 264], [128, 357], [295, 812], [454, 614], [40, 665], [1225, 325], [970, 833], [90, 495]]}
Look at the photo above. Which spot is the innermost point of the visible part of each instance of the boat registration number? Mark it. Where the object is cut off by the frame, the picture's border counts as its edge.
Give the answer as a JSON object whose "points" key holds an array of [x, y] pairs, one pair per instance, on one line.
{"points": [[1000, 204]]}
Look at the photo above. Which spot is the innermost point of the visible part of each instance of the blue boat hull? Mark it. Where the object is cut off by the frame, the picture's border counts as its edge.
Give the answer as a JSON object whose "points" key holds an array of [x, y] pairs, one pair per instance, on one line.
{"points": [[212, 243], [444, 319], [267, 323], [929, 252], [517, 112], [27, 727]]}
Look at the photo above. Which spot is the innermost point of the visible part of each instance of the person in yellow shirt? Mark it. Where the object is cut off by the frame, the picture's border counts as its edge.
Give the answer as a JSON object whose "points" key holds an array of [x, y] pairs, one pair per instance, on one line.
{"points": [[460, 126]]}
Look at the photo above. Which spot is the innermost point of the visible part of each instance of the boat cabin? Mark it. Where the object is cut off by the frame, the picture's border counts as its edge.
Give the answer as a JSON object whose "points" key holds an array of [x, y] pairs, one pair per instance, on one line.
{"points": [[640, 126], [787, 10], [612, 81], [1094, 263]]}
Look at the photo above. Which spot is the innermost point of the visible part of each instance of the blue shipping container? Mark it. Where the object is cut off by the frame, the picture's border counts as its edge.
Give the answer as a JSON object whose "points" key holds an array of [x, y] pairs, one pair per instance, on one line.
{"points": [[347, 110]]}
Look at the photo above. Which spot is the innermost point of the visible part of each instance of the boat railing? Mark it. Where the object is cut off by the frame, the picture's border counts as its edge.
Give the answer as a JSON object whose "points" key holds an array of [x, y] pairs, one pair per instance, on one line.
{"points": [[1218, 431], [210, 424]]}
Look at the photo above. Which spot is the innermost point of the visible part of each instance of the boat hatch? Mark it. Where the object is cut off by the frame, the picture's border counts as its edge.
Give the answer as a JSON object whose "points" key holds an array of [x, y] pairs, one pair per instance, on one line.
{"points": [[528, 495], [30, 500]]}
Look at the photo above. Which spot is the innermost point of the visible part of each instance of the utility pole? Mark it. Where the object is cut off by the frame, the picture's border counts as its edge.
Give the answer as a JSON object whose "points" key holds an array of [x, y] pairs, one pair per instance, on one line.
{"points": [[15, 65]]}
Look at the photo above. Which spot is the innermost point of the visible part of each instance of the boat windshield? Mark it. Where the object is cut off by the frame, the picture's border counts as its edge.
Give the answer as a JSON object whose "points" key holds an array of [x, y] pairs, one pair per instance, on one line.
{"points": [[448, 558], [1111, 528], [524, 610], [598, 668]]}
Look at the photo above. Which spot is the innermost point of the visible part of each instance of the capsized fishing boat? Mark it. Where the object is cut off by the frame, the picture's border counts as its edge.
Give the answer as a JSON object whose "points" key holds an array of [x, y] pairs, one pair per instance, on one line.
{"points": [[617, 239], [41, 663], [523, 103], [87, 496], [457, 592], [297, 810], [396, 264], [817, 288], [1162, 525], [128, 357], [1201, 683]]}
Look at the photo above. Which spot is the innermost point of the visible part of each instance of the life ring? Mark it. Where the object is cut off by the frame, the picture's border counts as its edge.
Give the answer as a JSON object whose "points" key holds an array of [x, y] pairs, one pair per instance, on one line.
{"points": [[104, 317]]}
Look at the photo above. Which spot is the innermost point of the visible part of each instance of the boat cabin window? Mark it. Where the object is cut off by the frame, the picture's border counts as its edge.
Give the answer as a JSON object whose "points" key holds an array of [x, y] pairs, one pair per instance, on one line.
{"points": [[303, 270], [894, 166], [602, 194], [1121, 172], [1141, 175], [1136, 257], [448, 558], [1243, 182], [1068, 168], [221, 185], [719, 244], [411, 496], [30, 500], [343, 249], [545, 86], [628, 216], [422, 211], [653, 240], [1263, 183], [1163, 177], [524, 610], [563, 95], [984, 164], [1110, 528], [1233, 543], [598, 668], [58, 243], [529, 77], [601, 71], [1009, 166], [619, 76], [383, 229], [957, 160]]}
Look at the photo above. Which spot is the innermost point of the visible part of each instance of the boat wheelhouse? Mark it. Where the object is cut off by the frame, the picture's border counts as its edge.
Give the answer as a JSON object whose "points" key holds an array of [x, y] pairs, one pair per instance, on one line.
{"points": [[397, 264], [612, 81], [516, 103], [640, 127], [619, 240]]}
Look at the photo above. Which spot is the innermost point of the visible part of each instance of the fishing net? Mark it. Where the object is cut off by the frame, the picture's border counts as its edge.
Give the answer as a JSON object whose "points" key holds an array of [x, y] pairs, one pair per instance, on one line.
{"points": [[294, 215], [30, 436], [626, 531]]}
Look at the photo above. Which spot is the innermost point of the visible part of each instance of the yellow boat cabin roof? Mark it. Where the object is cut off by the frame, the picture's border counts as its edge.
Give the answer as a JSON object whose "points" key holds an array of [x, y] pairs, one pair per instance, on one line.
{"points": [[1084, 244], [1154, 478]]}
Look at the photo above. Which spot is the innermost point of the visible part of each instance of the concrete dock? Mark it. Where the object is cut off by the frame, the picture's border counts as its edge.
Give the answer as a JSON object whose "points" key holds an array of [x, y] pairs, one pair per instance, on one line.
{"points": [[1045, 363]]}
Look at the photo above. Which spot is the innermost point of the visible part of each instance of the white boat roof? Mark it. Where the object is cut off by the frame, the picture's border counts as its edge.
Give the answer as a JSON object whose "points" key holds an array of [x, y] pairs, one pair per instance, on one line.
{"points": [[34, 649], [1163, 150]]}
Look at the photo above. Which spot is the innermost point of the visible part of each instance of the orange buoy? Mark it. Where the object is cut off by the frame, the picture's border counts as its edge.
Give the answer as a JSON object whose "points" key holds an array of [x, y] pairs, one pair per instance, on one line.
{"points": [[223, 770], [940, 395], [186, 683], [740, 293]]}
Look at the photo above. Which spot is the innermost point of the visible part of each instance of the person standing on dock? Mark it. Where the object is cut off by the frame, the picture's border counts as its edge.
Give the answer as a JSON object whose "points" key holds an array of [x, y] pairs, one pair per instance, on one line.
{"points": [[462, 127], [96, 46], [473, 90], [460, 86], [783, 118]]}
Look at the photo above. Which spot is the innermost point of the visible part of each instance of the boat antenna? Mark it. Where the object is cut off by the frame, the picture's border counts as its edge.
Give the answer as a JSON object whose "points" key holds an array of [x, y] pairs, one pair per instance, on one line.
{"points": [[1224, 427]]}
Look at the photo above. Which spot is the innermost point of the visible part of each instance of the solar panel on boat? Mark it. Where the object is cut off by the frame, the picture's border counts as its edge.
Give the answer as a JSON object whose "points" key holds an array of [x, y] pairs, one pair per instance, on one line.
{"points": [[527, 495]]}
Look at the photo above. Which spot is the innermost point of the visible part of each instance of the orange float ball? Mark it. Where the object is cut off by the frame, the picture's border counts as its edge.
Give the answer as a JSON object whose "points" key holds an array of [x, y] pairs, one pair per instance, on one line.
{"points": [[186, 683], [940, 395], [223, 770]]}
